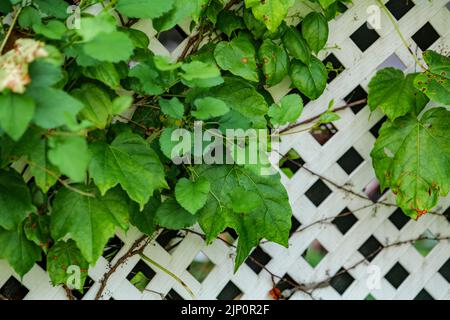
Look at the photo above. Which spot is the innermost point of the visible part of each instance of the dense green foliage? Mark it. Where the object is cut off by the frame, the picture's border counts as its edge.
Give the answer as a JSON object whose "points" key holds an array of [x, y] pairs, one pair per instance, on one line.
{"points": [[87, 114]]}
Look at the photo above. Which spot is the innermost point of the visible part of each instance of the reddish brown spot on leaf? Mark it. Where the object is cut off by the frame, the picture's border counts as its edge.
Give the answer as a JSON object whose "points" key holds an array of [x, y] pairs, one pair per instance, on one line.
{"points": [[244, 60], [275, 293]]}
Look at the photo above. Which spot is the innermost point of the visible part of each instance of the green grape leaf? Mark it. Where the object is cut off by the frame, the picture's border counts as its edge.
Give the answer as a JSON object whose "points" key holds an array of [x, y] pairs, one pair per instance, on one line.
{"points": [[270, 218], [296, 45], [144, 8], [145, 221], [412, 157], [315, 31], [181, 9], [192, 195], [130, 162], [44, 74], [89, 221], [121, 104], [104, 72], [198, 70], [238, 57], [54, 30], [310, 79], [393, 92], [172, 216], [71, 155], [54, 8], [227, 22], [15, 200], [34, 146], [37, 229], [328, 117], [149, 79], [20, 252], [173, 108], [53, 107], [16, 112], [271, 12], [110, 47], [256, 27], [243, 201], [326, 3], [171, 144], [242, 97], [213, 10], [61, 260], [275, 62], [29, 17], [288, 110], [92, 26], [163, 63], [209, 107], [97, 104]]}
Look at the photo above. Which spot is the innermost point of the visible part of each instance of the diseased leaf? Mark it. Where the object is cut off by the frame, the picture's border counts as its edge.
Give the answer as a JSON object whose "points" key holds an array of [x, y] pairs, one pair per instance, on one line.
{"points": [[238, 57], [63, 259], [435, 82], [89, 221], [275, 62], [130, 162], [192, 195], [310, 79], [15, 200], [412, 157], [270, 12], [37, 229]]}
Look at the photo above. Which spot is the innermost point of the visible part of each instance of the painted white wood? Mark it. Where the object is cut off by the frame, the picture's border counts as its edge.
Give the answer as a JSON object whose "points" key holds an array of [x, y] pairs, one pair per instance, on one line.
{"points": [[353, 131]]}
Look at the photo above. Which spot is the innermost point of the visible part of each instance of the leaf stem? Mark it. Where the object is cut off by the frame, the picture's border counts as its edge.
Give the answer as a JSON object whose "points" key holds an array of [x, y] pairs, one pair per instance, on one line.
{"points": [[170, 273], [399, 32], [8, 34]]}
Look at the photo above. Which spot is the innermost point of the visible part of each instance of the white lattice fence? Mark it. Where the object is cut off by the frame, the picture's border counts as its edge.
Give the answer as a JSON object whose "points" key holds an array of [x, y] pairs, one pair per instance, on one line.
{"points": [[319, 192]]}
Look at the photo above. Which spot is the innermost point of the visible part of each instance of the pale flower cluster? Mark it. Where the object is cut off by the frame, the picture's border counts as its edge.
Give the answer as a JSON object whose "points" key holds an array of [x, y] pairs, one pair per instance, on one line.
{"points": [[14, 64]]}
